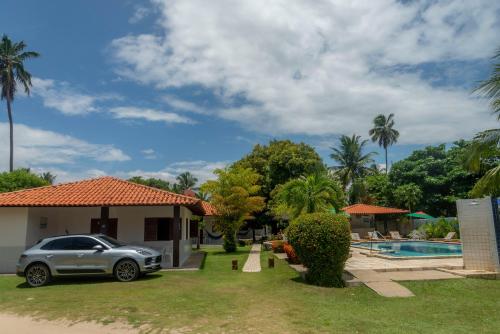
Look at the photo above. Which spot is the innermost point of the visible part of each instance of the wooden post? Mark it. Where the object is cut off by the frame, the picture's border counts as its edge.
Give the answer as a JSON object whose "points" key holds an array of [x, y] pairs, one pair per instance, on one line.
{"points": [[235, 264], [104, 221], [176, 235], [270, 262]]}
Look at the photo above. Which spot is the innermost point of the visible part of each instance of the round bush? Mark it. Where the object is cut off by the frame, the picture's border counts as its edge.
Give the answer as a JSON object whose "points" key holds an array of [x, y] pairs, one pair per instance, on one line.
{"points": [[321, 242]]}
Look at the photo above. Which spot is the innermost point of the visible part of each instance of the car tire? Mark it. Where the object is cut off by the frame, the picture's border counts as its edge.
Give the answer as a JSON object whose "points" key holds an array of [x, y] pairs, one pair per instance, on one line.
{"points": [[37, 274], [127, 270]]}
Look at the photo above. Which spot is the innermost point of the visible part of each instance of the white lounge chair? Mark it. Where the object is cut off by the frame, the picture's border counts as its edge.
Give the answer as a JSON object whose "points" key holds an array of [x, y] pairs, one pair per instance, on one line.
{"points": [[396, 236], [373, 235], [355, 237], [449, 237]]}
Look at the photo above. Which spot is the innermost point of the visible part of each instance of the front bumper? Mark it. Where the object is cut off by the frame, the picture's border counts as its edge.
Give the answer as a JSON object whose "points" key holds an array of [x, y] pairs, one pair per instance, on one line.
{"points": [[152, 268]]}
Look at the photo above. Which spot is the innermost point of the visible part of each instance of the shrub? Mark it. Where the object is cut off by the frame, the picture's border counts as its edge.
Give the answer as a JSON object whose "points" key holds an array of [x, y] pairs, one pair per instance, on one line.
{"points": [[290, 252], [440, 228], [277, 246], [321, 242]]}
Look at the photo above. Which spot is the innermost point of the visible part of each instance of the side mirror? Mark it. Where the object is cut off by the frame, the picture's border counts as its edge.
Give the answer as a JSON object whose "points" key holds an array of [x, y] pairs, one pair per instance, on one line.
{"points": [[98, 248]]}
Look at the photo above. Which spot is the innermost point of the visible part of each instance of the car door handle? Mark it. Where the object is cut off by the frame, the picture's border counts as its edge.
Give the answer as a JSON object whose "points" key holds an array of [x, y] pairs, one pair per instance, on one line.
{"points": [[80, 255], [49, 256]]}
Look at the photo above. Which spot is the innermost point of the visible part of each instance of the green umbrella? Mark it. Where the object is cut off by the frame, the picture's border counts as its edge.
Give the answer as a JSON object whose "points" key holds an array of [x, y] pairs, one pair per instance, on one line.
{"points": [[421, 215]]}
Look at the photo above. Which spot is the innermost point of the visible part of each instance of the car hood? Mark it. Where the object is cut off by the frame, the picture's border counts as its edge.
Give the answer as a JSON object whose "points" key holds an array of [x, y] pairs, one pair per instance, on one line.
{"points": [[140, 248]]}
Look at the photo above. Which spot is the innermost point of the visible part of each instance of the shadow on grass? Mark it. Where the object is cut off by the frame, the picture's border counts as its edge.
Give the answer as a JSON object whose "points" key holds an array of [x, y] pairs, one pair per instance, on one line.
{"points": [[202, 265], [80, 280]]}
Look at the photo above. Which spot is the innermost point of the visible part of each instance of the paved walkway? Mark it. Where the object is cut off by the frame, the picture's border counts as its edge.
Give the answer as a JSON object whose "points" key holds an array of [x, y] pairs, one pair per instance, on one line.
{"points": [[253, 262]]}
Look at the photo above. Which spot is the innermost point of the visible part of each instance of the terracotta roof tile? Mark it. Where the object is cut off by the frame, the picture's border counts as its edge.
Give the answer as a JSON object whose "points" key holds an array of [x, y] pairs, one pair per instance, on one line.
{"points": [[103, 191], [208, 208], [365, 209]]}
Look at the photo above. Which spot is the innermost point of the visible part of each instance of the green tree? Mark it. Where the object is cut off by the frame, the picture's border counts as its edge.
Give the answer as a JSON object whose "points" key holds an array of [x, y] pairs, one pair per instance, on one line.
{"points": [[439, 173], [308, 194], [13, 73], [20, 179], [408, 195], [49, 177], [185, 181], [234, 196], [384, 133], [151, 182], [379, 190], [490, 88], [352, 162]]}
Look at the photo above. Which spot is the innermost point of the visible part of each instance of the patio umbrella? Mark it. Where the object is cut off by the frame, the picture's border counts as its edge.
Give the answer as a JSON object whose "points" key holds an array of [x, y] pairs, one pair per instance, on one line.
{"points": [[419, 214]]}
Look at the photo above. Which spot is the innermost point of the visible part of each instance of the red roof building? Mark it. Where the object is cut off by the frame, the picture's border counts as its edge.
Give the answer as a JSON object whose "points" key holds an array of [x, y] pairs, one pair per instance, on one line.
{"points": [[365, 209]]}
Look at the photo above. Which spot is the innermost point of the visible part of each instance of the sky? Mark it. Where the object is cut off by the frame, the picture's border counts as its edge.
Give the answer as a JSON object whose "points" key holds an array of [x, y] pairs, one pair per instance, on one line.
{"points": [[156, 88]]}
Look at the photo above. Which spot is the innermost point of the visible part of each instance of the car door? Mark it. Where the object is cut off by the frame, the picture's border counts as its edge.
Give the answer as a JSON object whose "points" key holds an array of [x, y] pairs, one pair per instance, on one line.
{"points": [[90, 261], [61, 255]]}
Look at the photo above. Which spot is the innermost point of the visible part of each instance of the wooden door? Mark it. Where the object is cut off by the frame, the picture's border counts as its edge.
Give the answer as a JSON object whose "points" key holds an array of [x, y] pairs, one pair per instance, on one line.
{"points": [[110, 229]]}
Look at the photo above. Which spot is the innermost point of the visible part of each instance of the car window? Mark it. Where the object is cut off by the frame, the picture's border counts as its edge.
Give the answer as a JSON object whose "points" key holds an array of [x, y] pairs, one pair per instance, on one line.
{"points": [[113, 243], [83, 243], [59, 244]]}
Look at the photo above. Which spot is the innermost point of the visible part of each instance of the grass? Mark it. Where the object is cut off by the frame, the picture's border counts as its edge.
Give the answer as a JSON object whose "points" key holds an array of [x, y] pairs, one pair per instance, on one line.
{"points": [[217, 299]]}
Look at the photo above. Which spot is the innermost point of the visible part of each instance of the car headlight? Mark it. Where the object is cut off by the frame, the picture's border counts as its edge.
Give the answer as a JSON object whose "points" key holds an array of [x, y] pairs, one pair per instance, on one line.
{"points": [[143, 252]]}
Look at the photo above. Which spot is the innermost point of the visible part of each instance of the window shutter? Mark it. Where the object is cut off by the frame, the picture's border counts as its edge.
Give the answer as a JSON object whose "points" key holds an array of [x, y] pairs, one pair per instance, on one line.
{"points": [[150, 229]]}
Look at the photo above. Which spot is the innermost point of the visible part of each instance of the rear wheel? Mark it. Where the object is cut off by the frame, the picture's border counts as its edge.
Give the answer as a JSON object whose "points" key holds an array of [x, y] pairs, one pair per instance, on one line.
{"points": [[126, 271], [37, 274]]}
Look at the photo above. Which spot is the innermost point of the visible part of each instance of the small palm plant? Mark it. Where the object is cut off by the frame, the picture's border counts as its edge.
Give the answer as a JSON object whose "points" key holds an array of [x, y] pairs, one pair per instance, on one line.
{"points": [[384, 133], [13, 73]]}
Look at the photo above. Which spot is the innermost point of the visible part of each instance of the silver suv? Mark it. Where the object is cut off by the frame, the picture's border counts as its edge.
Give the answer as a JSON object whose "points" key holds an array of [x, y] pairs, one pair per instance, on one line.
{"points": [[83, 254]]}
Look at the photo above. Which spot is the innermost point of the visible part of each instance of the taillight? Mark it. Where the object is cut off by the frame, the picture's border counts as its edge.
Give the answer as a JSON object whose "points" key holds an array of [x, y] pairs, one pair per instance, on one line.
{"points": [[23, 256]]}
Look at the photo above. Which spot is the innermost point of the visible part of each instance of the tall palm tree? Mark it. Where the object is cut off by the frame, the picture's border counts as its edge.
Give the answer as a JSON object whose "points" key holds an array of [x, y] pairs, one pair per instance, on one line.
{"points": [[186, 180], [486, 144], [312, 193], [352, 162], [12, 73], [383, 132]]}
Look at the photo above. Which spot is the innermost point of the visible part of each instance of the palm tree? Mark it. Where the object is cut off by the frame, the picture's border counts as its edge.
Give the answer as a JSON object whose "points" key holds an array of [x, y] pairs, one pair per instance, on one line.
{"points": [[490, 88], [486, 144], [12, 73], [49, 177], [312, 193], [185, 181], [384, 133], [352, 162]]}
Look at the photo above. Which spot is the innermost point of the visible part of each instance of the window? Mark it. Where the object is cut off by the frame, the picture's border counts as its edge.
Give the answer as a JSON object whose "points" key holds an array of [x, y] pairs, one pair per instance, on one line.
{"points": [[193, 229], [59, 244], [83, 243], [158, 229]]}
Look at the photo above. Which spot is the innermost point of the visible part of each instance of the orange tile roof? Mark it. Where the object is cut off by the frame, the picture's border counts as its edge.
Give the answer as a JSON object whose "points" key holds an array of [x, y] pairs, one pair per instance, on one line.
{"points": [[365, 209], [208, 208], [103, 191]]}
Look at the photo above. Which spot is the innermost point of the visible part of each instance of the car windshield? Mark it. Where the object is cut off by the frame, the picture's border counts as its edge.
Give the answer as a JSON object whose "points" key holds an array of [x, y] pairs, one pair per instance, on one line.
{"points": [[113, 243]]}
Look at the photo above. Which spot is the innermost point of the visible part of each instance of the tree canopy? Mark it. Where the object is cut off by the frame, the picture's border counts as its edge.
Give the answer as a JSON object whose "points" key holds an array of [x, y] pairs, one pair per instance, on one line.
{"points": [[20, 179], [151, 182]]}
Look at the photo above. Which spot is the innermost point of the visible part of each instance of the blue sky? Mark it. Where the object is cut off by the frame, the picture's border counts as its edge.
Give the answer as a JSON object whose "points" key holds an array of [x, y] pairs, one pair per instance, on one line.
{"points": [[156, 88]]}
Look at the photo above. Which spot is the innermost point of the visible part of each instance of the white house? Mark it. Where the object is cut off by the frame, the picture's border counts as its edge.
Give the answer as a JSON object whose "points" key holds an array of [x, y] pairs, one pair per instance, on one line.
{"points": [[124, 210]]}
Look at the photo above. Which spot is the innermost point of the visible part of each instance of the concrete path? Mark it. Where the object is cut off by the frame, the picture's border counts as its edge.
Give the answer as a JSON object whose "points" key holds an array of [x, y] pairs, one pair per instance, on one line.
{"points": [[381, 284], [253, 262]]}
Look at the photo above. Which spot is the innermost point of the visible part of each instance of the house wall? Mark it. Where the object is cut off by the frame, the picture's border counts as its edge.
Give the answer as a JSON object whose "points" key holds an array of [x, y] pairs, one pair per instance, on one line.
{"points": [[13, 227]]}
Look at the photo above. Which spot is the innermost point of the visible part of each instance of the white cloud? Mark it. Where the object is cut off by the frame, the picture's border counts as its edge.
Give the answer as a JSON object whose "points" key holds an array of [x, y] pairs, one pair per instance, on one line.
{"points": [[320, 68], [62, 97], [183, 105], [149, 154], [147, 114], [140, 13], [36, 147], [203, 170]]}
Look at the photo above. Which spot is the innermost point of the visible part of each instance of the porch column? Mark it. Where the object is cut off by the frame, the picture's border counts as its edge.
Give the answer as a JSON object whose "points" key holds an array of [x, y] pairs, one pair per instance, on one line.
{"points": [[103, 227], [176, 234]]}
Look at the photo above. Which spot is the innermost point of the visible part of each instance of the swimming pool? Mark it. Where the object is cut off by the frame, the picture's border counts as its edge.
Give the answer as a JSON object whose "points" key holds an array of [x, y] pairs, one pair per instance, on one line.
{"points": [[413, 248]]}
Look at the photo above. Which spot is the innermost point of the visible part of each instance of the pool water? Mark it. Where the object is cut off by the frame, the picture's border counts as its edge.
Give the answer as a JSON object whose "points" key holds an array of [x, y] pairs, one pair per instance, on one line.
{"points": [[414, 248]]}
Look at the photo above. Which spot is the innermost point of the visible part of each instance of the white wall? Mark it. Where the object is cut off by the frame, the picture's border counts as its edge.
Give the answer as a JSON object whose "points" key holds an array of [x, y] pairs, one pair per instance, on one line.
{"points": [[13, 227]]}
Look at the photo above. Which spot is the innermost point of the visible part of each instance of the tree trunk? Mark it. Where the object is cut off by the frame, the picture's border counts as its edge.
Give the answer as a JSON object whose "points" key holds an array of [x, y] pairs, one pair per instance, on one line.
{"points": [[386, 163], [11, 127]]}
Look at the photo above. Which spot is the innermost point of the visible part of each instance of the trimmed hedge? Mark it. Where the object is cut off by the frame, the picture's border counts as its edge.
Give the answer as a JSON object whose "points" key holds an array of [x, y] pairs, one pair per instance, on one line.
{"points": [[290, 253], [321, 241]]}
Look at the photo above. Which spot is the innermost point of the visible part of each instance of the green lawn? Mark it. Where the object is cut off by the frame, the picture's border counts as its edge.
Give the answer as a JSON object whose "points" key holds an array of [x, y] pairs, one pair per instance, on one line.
{"points": [[217, 299]]}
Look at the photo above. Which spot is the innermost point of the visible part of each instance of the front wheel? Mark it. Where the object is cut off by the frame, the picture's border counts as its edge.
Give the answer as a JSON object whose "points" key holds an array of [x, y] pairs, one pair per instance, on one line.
{"points": [[37, 274], [126, 271]]}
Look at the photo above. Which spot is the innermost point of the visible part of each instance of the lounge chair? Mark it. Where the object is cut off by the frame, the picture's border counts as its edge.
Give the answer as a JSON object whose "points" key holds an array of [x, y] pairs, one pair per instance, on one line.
{"points": [[448, 237], [396, 236], [373, 235], [355, 237]]}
